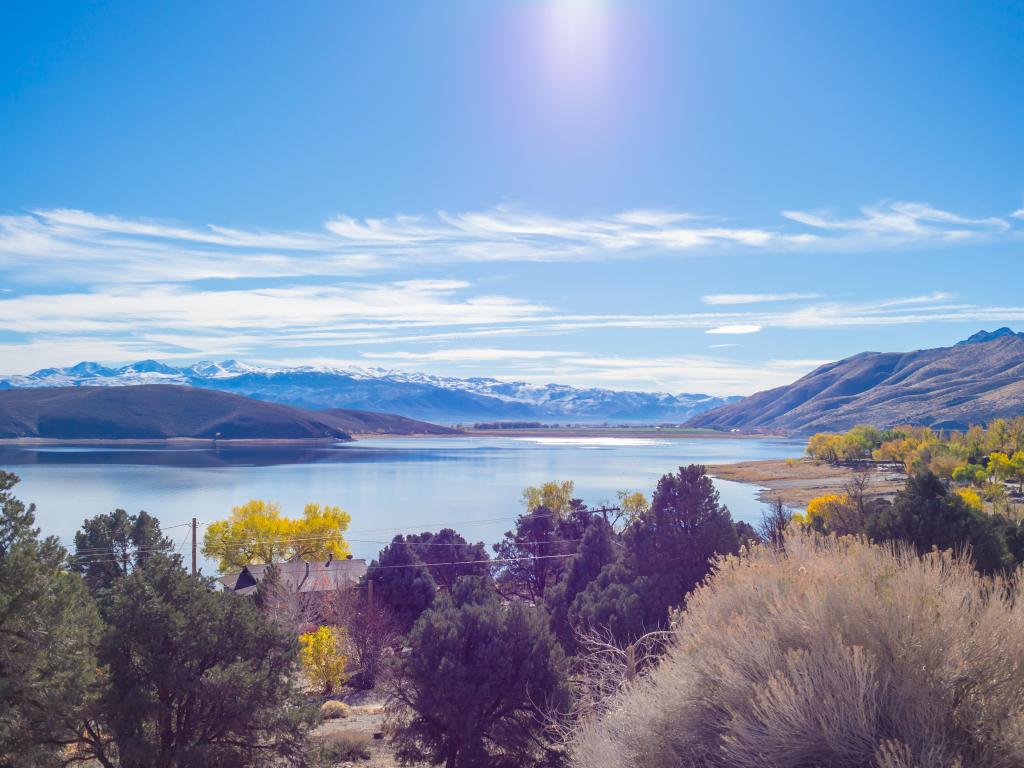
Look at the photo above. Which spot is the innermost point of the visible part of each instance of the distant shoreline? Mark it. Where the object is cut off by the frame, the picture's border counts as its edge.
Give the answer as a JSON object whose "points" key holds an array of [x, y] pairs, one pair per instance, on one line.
{"points": [[797, 482], [183, 441]]}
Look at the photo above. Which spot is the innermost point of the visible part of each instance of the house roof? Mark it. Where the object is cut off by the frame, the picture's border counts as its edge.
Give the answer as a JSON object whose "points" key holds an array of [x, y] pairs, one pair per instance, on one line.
{"points": [[300, 576]]}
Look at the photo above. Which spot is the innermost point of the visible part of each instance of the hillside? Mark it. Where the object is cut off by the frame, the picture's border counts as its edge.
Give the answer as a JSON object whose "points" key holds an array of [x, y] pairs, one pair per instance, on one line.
{"points": [[414, 395], [162, 411], [972, 382]]}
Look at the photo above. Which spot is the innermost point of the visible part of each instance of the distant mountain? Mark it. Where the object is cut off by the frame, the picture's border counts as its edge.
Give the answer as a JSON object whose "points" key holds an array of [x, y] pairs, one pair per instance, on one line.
{"points": [[163, 411], [415, 395], [972, 382]]}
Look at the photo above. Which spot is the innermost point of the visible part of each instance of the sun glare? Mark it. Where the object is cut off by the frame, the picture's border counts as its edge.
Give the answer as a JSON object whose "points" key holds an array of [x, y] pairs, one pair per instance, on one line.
{"points": [[577, 41]]}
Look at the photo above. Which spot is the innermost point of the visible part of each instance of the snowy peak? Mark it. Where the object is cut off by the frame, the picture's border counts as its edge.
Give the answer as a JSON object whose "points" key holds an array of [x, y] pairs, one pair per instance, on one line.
{"points": [[412, 394]]}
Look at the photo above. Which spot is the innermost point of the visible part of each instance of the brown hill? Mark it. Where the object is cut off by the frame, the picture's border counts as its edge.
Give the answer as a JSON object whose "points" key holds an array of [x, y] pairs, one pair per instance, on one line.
{"points": [[973, 382], [163, 411]]}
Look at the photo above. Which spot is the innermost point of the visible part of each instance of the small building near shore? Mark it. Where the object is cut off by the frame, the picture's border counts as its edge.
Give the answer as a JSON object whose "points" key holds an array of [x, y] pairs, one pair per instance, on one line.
{"points": [[299, 576]]}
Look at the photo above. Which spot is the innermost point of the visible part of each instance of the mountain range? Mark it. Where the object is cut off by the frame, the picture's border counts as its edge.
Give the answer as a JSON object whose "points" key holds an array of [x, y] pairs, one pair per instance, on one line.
{"points": [[974, 381], [414, 395], [162, 411]]}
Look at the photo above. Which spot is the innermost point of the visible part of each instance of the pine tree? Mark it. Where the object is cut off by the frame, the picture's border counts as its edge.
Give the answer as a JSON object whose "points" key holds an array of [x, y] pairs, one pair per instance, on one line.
{"points": [[667, 552], [471, 692], [402, 582], [194, 677], [48, 632]]}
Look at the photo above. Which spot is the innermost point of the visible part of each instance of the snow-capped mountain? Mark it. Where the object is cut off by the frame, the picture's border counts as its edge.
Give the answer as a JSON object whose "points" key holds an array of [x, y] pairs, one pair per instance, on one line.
{"points": [[415, 395]]}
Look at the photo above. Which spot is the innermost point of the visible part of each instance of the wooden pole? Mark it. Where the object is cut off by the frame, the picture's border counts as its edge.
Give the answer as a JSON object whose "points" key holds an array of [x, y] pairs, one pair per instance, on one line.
{"points": [[194, 526], [369, 593]]}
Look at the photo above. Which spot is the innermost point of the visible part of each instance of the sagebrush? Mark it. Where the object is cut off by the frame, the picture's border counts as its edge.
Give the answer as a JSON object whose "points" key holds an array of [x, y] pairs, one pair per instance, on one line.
{"points": [[834, 652]]}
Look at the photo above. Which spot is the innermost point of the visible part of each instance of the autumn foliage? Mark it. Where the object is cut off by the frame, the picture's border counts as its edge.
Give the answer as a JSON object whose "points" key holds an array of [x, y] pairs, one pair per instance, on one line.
{"points": [[323, 658], [257, 532]]}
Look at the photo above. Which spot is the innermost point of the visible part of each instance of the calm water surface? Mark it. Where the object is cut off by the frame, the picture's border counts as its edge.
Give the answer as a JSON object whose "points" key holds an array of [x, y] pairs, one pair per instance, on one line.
{"points": [[389, 486]]}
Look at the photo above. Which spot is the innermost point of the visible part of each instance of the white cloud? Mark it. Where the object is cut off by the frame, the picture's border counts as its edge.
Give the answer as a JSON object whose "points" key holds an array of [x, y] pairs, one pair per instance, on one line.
{"points": [[735, 329], [472, 354], [86, 248], [900, 223], [755, 298]]}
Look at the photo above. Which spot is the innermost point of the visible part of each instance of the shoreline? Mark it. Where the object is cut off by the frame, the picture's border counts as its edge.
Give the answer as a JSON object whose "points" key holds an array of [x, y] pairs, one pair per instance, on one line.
{"points": [[164, 441], [797, 482]]}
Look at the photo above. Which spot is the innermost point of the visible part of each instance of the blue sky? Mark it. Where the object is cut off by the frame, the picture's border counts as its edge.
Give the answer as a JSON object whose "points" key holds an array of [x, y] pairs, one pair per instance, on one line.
{"points": [[674, 196]]}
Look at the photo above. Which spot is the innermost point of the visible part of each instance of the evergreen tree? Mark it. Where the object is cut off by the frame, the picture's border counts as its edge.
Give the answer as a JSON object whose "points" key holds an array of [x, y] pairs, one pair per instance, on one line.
{"points": [[480, 674], [48, 631], [112, 545], [925, 514], [535, 553], [439, 550], [194, 677], [596, 551], [667, 552], [402, 582]]}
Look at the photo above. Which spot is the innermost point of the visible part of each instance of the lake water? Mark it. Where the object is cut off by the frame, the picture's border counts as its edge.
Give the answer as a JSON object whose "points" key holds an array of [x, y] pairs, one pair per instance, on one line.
{"points": [[391, 485]]}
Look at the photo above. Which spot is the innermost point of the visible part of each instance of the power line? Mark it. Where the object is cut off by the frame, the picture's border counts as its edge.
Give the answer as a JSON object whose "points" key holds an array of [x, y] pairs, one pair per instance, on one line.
{"points": [[471, 562]]}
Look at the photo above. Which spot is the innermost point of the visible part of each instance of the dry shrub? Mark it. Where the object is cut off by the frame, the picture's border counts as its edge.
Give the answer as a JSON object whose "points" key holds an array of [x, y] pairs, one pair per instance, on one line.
{"points": [[334, 710], [833, 653], [346, 746]]}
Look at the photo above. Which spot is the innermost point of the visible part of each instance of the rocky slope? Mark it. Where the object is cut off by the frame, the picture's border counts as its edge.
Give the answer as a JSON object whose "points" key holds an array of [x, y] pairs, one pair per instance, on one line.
{"points": [[972, 382]]}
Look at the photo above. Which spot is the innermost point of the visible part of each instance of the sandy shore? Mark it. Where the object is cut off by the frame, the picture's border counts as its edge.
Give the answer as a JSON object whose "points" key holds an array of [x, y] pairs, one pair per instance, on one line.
{"points": [[797, 482]]}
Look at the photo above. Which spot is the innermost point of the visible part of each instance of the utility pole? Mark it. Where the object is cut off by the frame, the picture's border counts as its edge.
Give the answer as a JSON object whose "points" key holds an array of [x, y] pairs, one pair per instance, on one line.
{"points": [[194, 546]]}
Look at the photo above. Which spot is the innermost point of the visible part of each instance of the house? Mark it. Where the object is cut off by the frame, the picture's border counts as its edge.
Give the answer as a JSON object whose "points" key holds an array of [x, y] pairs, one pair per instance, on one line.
{"points": [[299, 576]]}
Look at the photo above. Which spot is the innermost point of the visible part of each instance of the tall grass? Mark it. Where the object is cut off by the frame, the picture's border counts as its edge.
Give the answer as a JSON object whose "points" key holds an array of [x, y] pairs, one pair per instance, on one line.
{"points": [[833, 653]]}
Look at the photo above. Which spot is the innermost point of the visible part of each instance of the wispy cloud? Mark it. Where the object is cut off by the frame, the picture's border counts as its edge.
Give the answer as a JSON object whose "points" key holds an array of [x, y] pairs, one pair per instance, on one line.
{"points": [[471, 354], [755, 298], [736, 329], [80, 247], [900, 223]]}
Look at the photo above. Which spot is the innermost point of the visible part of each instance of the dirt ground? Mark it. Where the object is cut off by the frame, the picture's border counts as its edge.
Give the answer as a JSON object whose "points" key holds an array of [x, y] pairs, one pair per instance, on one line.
{"points": [[365, 717], [797, 482]]}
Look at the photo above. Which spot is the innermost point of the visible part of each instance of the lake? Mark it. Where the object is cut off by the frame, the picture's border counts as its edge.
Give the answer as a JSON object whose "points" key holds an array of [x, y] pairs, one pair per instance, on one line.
{"points": [[388, 485]]}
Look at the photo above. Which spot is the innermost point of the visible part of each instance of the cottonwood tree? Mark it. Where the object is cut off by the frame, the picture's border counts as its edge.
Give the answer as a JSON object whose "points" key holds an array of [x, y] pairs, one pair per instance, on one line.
{"points": [[257, 532], [48, 631], [479, 678]]}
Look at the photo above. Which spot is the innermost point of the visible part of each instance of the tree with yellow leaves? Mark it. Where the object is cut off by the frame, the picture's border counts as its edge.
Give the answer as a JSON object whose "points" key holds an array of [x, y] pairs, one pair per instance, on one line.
{"points": [[822, 509], [556, 496], [256, 532], [323, 658], [970, 497], [632, 505]]}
